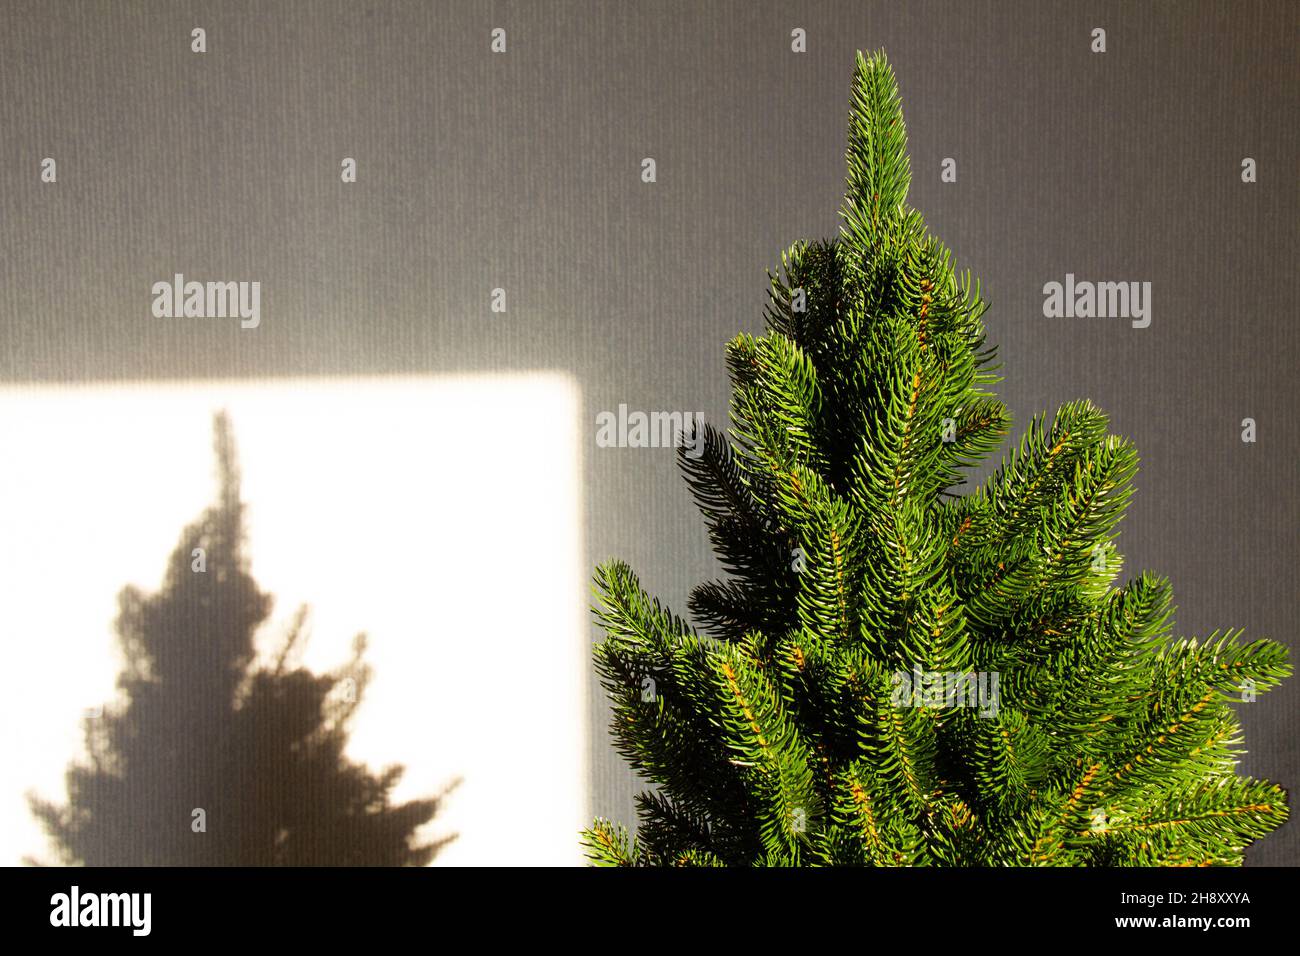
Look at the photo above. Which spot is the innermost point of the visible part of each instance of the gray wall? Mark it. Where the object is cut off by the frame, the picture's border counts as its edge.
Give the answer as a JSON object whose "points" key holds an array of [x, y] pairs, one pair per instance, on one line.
{"points": [[522, 171]]}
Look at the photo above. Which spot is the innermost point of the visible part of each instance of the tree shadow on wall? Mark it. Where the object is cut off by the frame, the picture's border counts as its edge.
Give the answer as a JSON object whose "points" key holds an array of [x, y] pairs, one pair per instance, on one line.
{"points": [[215, 758]]}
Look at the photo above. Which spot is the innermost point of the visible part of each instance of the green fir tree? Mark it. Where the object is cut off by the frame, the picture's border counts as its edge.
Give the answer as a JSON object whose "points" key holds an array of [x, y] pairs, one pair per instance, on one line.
{"points": [[837, 704]]}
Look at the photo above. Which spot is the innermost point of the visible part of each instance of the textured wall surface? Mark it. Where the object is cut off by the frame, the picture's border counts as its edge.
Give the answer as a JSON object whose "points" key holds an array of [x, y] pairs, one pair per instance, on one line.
{"points": [[522, 171]]}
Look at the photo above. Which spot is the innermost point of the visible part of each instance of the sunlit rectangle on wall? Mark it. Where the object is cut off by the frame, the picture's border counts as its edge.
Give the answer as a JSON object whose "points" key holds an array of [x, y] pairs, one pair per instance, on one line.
{"points": [[440, 516]]}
